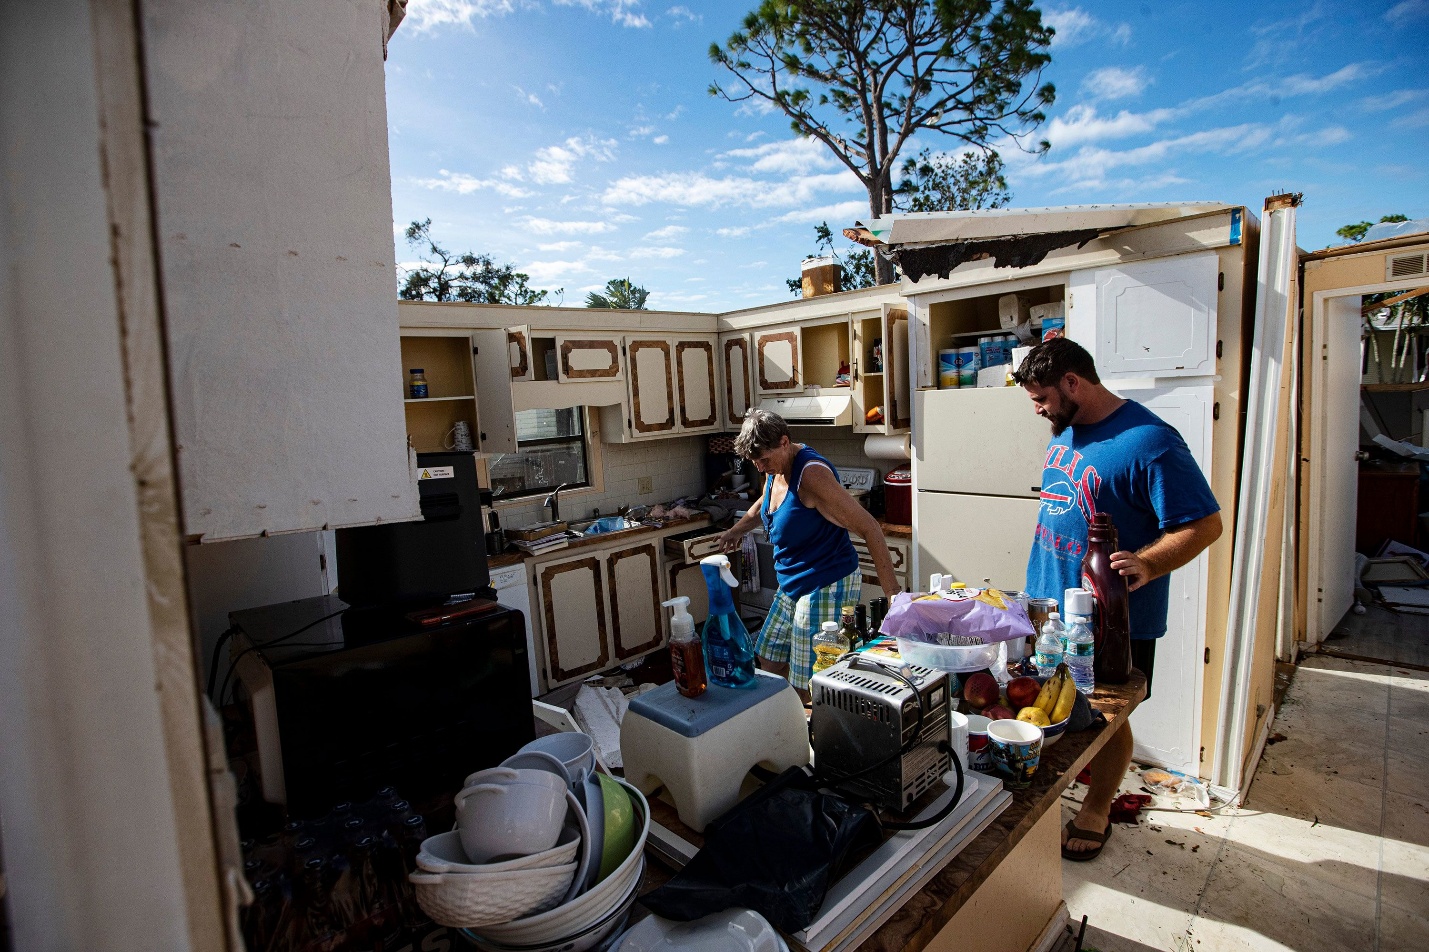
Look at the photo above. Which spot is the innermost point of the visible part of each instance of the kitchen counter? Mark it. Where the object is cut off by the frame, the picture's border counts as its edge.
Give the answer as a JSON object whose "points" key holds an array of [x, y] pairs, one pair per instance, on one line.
{"points": [[894, 530], [604, 538]]}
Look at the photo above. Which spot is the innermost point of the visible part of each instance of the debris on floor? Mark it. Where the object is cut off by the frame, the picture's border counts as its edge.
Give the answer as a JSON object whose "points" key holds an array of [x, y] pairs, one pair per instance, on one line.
{"points": [[1127, 807]]}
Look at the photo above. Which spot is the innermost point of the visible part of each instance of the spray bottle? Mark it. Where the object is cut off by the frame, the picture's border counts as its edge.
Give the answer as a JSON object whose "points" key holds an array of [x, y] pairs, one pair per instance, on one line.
{"points": [[728, 652], [687, 657]]}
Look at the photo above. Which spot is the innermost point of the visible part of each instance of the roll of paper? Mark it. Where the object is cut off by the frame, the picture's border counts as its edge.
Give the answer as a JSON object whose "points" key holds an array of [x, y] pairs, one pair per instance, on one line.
{"points": [[888, 447]]}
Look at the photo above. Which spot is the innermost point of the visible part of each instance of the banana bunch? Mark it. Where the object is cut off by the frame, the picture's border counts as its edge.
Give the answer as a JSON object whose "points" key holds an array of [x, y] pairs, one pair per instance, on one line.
{"points": [[1058, 694]]}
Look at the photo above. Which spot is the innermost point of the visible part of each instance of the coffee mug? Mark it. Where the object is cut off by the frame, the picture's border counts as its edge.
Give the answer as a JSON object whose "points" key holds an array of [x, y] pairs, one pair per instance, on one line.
{"points": [[459, 437], [1016, 750], [979, 754]]}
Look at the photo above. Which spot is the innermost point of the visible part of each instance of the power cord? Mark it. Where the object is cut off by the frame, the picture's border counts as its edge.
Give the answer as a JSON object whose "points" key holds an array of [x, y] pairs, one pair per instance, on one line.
{"points": [[233, 664]]}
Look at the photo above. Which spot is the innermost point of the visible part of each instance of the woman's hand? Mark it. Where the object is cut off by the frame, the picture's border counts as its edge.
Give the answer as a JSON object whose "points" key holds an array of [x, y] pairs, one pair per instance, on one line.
{"points": [[729, 540]]}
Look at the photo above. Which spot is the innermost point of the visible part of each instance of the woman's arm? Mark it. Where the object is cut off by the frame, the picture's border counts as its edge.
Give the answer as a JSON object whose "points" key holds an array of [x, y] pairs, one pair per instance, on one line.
{"points": [[818, 489], [729, 539]]}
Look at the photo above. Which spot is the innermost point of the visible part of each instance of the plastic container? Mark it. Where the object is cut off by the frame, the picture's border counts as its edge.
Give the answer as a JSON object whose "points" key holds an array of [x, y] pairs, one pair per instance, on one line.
{"points": [[417, 384], [1049, 646], [829, 646], [948, 369], [729, 654], [898, 497], [958, 658], [1111, 618], [968, 366], [687, 655]]}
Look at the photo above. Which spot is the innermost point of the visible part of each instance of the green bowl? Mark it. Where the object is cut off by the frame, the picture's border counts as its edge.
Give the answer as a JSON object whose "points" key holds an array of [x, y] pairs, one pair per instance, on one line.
{"points": [[619, 826]]}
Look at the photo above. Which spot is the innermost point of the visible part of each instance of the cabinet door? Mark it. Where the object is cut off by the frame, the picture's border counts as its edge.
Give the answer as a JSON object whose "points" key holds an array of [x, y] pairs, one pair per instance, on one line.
{"points": [[895, 360], [652, 386], [776, 357], [868, 377], [695, 372], [573, 617], [738, 397], [518, 345], [496, 419], [633, 575], [1153, 318], [581, 358]]}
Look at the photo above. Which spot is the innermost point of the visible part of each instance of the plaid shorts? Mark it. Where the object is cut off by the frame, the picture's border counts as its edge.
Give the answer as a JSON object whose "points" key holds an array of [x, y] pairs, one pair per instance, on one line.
{"points": [[789, 629]]}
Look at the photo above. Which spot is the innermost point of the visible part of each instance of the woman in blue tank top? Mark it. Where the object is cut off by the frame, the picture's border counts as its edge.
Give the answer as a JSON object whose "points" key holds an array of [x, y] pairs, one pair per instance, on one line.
{"points": [[808, 516]]}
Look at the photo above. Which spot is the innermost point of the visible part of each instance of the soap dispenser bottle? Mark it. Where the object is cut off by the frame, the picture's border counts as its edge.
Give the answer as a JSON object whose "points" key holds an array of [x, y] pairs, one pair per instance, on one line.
{"points": [[687, 656], [728, 652]]}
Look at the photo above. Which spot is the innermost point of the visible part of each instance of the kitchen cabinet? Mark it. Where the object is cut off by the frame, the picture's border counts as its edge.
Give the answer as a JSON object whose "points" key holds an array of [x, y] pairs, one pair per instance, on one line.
{"points": [[738, 391], [518, 341], [776, 360], [633, 576], [685, 578], [496, 417], [695, 377], [899, 552], [446, 362], [582, 358], [880, 369], [652, 387], [575, 639]]}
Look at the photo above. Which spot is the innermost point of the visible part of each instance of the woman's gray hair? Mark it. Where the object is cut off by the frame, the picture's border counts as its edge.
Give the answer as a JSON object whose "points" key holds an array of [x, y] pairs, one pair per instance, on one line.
{"points": [[762, 431]]}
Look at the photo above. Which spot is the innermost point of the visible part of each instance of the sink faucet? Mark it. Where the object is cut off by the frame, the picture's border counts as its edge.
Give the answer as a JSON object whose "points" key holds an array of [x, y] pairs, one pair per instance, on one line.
{"points": [[553, 501]]}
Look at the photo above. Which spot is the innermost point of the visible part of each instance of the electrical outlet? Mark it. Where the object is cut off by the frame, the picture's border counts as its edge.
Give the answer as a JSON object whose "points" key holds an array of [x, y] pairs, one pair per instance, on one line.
{"points": [[646, 484]]}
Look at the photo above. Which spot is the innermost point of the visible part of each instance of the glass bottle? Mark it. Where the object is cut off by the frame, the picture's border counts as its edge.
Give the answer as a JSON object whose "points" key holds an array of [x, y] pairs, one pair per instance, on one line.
{"points": [[829, 646], [860, 622], [417, 384], [848, 626]]}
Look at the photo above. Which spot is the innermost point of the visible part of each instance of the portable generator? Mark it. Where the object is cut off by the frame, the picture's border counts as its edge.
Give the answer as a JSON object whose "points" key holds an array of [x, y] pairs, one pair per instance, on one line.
{"points": [[877, 735]]}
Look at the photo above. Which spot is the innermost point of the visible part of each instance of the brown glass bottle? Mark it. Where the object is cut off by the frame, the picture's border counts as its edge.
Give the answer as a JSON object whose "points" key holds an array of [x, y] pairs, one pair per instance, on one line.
{"points": [[1111, 618]]}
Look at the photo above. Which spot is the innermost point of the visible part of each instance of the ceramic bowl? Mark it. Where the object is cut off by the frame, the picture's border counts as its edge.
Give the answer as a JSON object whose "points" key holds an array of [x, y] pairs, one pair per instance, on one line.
{"points": [[443, 853], [1053, 732], [477, 899], [542, 776], [572, 748], [506, 820], [536, 760], [619, 816]]}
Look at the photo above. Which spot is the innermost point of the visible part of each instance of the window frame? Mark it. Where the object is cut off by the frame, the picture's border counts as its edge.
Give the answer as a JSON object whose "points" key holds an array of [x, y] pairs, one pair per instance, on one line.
{"points": [[590, 442]]}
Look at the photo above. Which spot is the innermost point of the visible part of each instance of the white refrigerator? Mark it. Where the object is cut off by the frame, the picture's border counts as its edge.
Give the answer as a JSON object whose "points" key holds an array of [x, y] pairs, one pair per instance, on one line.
{"points": [[979, 455]]}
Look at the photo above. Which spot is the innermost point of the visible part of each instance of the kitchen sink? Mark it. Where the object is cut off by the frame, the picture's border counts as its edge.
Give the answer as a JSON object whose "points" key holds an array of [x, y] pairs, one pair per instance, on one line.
{"points": [[603, 525]]}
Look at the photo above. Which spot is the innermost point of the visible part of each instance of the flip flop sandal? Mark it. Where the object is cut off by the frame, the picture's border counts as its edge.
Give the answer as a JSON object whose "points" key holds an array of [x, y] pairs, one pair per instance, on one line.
{"points": [[1077, 833]]}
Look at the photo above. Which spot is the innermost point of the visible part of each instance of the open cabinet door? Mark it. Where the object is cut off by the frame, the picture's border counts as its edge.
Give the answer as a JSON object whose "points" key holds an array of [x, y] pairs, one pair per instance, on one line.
{"points": [[496, 419]]}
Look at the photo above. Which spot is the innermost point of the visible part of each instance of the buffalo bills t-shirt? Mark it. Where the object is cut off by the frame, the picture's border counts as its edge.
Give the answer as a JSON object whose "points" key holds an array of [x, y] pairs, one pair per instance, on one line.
{"points": [[1134, 467]]}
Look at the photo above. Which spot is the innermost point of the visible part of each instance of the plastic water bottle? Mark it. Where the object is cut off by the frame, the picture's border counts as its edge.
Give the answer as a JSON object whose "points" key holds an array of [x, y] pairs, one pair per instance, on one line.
{"points": [[1049, 646], [1081, 656]]}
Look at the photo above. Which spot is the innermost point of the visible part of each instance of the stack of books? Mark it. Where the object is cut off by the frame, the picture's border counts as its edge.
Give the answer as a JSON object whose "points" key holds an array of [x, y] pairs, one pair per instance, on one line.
{"points": [[558, 540]]}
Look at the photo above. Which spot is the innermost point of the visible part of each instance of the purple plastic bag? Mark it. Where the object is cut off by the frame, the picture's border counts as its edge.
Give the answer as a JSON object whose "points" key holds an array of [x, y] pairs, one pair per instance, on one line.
{"points": [[966, 612]]}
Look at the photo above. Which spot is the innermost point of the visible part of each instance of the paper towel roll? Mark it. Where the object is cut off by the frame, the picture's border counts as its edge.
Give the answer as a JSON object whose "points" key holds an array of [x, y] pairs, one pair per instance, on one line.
{"points": [[888, 447]]}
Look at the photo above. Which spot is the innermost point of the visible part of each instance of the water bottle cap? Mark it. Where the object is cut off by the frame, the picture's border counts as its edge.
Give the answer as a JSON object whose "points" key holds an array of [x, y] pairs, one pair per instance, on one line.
{"points": [[1052, 615]]}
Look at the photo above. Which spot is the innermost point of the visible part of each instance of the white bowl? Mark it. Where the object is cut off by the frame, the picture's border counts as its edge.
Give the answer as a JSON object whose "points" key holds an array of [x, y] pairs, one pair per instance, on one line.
{"points": [[507, 820], [544, 776], [600, 934], [589, 907], [574, 749], [959, 658], [443, 853], [477, 899]]}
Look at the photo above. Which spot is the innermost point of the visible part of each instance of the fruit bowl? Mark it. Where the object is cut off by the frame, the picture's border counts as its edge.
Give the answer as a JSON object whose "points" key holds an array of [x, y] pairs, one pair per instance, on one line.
{"points": [[1053, 733]]}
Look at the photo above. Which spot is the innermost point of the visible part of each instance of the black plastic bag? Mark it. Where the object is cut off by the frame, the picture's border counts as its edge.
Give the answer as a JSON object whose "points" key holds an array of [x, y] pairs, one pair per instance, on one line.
{"points": [[777, 853]]}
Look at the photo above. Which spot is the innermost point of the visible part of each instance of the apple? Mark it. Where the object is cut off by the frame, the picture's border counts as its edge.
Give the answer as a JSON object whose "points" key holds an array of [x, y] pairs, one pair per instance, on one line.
{"points": [[998, 713], [980, 690], [1022, 692]]}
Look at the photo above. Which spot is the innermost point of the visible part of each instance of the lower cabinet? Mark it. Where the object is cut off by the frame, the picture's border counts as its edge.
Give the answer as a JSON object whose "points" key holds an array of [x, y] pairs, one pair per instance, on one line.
{"points": [[598, 609], [899, 551]]}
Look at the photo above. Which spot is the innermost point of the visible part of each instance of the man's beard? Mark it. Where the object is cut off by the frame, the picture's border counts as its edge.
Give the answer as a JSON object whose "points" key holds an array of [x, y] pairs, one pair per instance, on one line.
{"points": [[1064, 415]]}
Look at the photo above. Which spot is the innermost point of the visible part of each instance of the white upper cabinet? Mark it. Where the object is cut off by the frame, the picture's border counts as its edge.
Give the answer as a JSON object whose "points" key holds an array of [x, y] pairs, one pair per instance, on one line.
{"points": [[652, 386], [518, 348], [496, 431], [1149, 319], [695, 380], [738, 393], [776, 360], [583, 358]]}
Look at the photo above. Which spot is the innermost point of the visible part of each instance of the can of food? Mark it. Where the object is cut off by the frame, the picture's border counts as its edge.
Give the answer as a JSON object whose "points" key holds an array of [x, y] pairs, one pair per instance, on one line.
{"points": [[968, 366], [948, 369], [1038, 609], [1018, 597]]}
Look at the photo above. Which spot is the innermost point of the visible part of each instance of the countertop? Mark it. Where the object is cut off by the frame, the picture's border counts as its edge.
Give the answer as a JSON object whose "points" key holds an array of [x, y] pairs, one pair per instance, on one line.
{"points": [[604, 538], [895, 530]]}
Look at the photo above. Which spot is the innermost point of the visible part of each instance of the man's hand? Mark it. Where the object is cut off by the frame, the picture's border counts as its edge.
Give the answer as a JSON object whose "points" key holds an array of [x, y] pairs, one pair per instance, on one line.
{"points": [[1133, 567]]}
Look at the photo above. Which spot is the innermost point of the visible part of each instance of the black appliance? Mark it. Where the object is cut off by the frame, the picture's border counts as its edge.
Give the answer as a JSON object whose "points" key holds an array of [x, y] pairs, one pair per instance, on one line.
{"points": [[421, 562], [347, 701]]}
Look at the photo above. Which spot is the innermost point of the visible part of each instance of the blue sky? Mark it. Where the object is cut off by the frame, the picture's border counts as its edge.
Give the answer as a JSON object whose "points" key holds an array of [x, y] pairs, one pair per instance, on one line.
{"points": [[576, 139]]}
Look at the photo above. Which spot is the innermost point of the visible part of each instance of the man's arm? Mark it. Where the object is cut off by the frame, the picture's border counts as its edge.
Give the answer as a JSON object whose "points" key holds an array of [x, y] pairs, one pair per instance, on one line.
{"points": [[729, 539], [1174, 549], [819, 490]]}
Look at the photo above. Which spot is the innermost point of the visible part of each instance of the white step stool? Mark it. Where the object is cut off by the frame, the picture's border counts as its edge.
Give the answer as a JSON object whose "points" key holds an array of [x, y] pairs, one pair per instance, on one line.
{"points": [[700, 749]]}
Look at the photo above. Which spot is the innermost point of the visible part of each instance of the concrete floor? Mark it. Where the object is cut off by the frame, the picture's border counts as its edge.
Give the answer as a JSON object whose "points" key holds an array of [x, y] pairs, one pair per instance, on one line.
{"points": [[1329, 851]]}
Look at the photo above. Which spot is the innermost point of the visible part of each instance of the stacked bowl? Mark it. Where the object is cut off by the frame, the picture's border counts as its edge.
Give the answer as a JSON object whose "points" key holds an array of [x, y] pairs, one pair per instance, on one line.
{"points": [[547, 854]]}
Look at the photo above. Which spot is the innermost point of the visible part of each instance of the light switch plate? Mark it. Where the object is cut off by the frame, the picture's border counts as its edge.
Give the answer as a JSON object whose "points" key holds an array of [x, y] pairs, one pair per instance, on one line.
{"points": [[646, 484]]}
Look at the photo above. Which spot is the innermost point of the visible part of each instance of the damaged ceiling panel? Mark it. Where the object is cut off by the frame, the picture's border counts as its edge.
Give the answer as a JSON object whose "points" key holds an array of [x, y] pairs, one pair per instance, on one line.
{"points": [[916, 228], [1017, 251]]}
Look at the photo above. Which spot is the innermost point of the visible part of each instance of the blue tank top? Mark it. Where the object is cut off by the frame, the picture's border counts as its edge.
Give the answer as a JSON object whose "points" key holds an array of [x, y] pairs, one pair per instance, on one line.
{"points": [[809, 550]]}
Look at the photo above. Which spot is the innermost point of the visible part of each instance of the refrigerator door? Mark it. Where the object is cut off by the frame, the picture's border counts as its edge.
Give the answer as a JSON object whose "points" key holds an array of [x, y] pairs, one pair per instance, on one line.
{"points": [[985, 440], [1167, 727], [975, 537]]}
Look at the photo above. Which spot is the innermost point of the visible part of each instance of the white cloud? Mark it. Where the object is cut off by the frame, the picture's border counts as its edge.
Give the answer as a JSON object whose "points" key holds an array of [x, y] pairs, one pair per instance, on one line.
{"points": [[788, 156], [667, 233], [838, 216], [1400, 97], [700, 190], [464, 184], [674, 114], [1113, 82], [640, 132], [1082, 123], [684, 15], [1401, 13], [623, 12], [1302, 85], [530, 98], [556, 247], [553, 165], [1284, 40], [551, 273], [661, 252], [1075, 26], [660, 140], [1415, 120], [425, 15], [733, 232], [546, 226]]}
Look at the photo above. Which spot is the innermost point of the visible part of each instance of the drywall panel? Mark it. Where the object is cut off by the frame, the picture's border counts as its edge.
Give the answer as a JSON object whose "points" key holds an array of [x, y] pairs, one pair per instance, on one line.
{"points": [[269, 134]]}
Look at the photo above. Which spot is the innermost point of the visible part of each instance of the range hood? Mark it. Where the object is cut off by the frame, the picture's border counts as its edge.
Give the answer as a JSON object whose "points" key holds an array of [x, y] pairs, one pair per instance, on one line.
{"points": [[821, 410]]}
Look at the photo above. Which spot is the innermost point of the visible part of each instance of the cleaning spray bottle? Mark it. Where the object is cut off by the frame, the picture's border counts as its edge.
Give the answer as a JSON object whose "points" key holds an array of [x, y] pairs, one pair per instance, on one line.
{"points": [[687, 657], [728, 652]]}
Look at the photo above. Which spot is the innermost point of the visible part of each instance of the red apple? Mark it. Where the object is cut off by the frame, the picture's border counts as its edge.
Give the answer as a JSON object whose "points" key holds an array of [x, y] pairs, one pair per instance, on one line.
{"points": [[980, 690], [1022, 692], [998, 713]]}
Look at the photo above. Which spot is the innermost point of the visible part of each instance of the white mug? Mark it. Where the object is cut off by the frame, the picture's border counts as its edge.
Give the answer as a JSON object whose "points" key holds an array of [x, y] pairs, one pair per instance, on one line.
{"points": [[459, 437], [958, 737]]}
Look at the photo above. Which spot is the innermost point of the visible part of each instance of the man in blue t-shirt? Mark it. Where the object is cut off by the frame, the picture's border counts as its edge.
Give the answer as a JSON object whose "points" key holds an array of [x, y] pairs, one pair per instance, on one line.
{"points": [[1114, 456]]}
